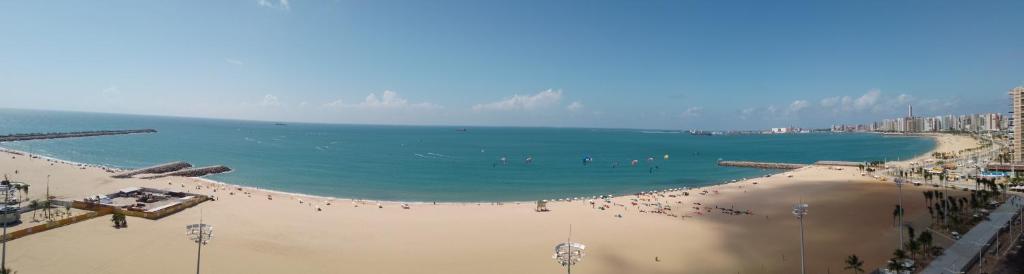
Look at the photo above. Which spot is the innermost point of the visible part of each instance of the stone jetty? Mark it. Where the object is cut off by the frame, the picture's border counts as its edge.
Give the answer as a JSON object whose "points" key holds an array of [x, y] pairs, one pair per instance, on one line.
{"points": [[157, 169], [58, 135], [840, 163], [761, 164], [192, 172]]}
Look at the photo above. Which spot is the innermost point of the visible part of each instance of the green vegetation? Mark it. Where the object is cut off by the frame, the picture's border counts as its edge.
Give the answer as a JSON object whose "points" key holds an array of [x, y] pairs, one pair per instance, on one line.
{"points": [[119, 220], [855, 264]]}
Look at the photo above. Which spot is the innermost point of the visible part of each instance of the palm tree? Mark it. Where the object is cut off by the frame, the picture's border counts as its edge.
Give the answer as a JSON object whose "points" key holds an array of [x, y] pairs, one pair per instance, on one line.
{"points": [[853, 263], [896, 212], [926, 241], [895, 266], [8, 271], [913, 246], [896, 262], [119, 220], [34, 204], [47, 204], [23, 188]]}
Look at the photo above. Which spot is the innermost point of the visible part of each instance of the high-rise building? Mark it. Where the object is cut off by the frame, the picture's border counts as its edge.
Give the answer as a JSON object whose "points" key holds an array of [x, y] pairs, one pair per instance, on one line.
{"points": [[1016, 116]]}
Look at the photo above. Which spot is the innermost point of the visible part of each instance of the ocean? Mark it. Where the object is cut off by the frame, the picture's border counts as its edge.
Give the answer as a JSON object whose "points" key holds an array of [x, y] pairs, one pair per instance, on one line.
{"points": [[439, 163]]}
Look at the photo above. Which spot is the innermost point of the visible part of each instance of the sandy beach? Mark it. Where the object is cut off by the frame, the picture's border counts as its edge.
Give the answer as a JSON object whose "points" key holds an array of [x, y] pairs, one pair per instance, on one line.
{"points": [[944, 143], [849, 214]]}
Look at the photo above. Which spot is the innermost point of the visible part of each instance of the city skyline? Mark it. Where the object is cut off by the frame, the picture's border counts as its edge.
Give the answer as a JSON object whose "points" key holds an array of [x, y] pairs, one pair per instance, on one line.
{"points": [[659, 65]]}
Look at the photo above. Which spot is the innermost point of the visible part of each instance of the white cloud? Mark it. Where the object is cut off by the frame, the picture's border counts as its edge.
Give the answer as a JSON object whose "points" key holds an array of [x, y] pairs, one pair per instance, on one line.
{"points": [[829, 102], [904, 99], [234, 61], [335, 103], [270, 101], [523, 102], [692, 112], [747, 112], [867, 100], [574, 106], [798, 105], [111, 92], [281, 4], [386, 100]]}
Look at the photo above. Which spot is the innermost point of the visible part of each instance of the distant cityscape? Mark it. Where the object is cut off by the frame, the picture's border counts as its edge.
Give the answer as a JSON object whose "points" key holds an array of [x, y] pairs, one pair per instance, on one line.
{"points": [[979, 122], [974, 123]]}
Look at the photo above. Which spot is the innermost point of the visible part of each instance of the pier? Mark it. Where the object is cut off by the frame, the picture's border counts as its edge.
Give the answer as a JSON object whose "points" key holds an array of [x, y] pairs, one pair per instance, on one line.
{"points": [[766, 165], [192, 172], [59, 135], [183, 169], [161, 168], [840, 163]]}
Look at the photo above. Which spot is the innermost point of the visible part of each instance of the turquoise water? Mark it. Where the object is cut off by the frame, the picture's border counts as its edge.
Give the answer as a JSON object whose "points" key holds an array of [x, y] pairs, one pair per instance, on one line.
{"points": [[413, 163]]}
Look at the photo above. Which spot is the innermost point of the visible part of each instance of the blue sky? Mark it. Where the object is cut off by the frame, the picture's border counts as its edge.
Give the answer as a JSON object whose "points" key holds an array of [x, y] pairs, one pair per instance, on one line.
{"points": [[636, 64]]}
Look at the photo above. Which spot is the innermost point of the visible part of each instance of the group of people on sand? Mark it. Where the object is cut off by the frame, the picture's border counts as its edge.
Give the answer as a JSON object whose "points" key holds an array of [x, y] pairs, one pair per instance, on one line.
{"points": [[661, 202]]}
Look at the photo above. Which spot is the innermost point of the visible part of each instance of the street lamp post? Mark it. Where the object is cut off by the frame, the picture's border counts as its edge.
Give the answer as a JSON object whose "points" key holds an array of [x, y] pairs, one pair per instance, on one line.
{"points": [[201, 234], [800, 210], [569, 253]]}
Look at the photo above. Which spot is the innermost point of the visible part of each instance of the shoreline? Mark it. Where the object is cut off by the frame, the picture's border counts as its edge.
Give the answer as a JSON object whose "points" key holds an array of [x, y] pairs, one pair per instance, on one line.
{"points": [[935, 137], [735, 227]]}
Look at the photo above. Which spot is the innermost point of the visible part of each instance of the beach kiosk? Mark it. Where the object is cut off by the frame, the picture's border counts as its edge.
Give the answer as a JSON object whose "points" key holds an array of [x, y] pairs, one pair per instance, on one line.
{"points": [[10, 212]]}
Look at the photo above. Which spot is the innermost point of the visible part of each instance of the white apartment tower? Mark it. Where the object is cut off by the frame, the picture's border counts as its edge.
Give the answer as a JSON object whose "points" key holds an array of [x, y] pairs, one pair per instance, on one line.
{"points": [[1016, 117]]}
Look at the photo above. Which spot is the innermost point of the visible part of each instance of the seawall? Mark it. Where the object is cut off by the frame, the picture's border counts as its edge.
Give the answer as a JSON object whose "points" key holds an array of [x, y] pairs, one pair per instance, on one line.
{"points": [[58, 135], [760, 164], [193, 172], [161, 168]]}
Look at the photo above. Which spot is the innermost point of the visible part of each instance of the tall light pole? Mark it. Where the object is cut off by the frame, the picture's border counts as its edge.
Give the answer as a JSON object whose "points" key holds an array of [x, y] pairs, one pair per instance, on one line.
{"points": [[569, 253], [899, 185], [800, 210], [200, 234]]}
